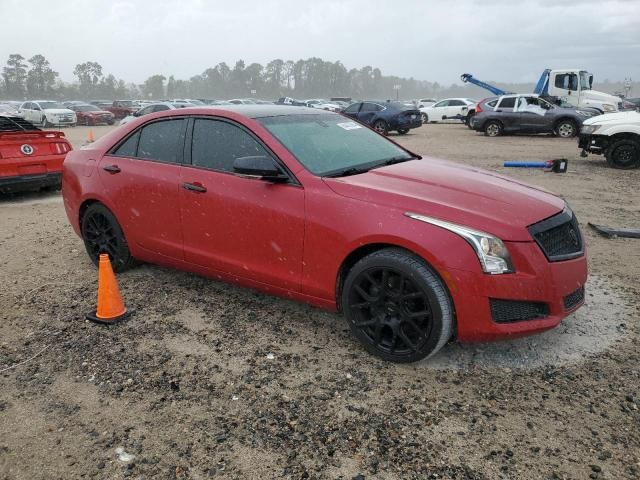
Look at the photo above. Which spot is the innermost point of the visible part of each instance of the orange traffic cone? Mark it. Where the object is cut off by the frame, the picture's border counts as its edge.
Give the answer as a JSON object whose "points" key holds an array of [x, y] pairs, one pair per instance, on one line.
{"points": [[90, 136], [110, 306]]}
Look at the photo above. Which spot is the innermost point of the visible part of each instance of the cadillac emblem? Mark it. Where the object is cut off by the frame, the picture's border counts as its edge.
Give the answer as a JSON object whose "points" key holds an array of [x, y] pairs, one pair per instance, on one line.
{"points": [[26, 149]]}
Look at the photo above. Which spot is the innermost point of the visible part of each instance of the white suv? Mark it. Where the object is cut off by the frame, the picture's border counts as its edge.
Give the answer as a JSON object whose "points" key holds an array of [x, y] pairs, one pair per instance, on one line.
{"points": [[47, 113], [614, 135], [448, 109]]}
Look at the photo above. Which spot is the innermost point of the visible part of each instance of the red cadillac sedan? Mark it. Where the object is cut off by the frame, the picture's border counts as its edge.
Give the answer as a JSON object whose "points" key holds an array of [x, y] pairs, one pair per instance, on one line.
{"points": [[313, 206]]}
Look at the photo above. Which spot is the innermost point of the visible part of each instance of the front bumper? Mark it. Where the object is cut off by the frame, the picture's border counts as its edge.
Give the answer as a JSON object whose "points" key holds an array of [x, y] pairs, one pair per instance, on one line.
{"points": [[23, 183], [596, 144], [538, 281]]}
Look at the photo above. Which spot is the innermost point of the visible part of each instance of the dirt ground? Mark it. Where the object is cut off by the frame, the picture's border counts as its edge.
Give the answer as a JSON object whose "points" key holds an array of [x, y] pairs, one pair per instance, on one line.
{"points": [[208, 380]]}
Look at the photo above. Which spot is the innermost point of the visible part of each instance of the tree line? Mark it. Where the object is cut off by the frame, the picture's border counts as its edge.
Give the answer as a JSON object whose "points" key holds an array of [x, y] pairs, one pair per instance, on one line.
{"points": [[34, 77]]}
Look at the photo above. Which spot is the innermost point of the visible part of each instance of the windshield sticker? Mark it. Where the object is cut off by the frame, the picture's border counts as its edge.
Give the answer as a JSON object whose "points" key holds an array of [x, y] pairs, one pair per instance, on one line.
{"points": [[349, 125]]}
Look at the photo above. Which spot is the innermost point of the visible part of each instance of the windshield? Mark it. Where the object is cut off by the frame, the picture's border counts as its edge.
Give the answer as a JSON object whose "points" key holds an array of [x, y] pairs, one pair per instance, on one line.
{"points": [[328, 143], [584, 81], [87, 108], [47, 105]]}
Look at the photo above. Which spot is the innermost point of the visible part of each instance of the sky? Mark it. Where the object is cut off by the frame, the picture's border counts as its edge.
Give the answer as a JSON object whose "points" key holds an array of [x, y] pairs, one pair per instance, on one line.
{"points": [[435, 40]]}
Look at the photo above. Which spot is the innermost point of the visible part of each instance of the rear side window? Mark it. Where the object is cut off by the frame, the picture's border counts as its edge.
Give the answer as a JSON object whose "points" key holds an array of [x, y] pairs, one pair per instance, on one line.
{"points": [[509, 102], [216, 144], [162, 141]]}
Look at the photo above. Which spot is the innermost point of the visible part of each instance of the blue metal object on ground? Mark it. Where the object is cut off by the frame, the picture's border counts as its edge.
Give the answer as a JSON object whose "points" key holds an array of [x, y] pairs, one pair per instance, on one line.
{"points": [[526, 164]]}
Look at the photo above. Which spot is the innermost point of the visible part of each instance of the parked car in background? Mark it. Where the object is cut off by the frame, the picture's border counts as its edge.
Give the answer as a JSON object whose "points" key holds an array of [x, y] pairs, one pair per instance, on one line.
{"points": [[413, 251], [426, 102], [290, 101], [8, 109], [69, 103], [448, 109], [384, 117], [186, 102], [241, 101], [122, 108], [527, 114], [30, 158], [47, 113], [614, 135], [152, 108], [322, 104], [92, 115]]}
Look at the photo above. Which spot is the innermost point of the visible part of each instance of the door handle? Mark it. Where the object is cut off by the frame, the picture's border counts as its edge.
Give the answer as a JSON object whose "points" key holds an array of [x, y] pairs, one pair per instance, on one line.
{"points": [[112, 169], [194, 187]]}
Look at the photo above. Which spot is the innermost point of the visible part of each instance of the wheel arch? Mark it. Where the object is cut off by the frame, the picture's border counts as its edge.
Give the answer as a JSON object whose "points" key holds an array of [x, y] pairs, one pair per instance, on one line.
{"points": [[367, 249]]}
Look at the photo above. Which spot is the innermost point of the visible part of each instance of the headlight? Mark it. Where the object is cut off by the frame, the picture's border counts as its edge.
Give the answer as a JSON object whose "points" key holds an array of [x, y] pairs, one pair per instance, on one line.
{"points": [[583, 113], [607, 107], [589, 129], [492, 253]]}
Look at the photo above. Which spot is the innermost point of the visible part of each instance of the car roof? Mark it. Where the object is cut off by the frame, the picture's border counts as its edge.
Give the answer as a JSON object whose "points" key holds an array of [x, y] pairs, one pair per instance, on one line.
{"points": [[259, 111]]}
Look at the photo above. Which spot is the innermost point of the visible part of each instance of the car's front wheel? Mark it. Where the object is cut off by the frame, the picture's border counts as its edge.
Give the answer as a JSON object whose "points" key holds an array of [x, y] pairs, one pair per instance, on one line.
{"points": [[624, 154], [397, 306], [102, 233], [381, 127]]}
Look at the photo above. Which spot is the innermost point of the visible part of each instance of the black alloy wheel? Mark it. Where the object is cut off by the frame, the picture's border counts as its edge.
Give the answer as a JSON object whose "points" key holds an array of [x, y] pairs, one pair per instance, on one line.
{"points": [[102, 234], [624, 154], [397, 306], [403, 131]]}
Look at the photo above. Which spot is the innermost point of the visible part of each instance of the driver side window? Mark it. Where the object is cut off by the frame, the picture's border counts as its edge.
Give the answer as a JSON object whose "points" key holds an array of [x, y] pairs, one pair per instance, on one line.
{"points": [[444, 103]]}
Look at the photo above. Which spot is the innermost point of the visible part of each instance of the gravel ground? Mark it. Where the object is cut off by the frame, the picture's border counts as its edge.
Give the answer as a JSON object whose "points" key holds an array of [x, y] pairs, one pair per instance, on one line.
{"points": [[210, 380]]}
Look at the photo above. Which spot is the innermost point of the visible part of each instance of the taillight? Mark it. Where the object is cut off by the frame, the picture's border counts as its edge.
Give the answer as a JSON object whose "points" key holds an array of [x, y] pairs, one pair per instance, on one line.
{"points": [[59, 147], [478, 108]]}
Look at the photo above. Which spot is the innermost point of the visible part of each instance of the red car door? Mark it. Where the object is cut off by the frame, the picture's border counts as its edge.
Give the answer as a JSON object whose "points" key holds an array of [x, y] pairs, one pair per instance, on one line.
{"points": [[142, 178], [245, 227]]}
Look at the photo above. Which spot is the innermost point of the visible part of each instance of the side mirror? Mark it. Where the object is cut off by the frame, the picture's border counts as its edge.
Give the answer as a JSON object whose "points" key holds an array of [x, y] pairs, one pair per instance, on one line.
{"points": [[259, 167], [136, 114]]}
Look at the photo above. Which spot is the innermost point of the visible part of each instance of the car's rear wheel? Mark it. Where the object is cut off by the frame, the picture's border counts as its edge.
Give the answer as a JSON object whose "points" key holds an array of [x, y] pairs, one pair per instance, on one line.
{"points": [[102, 233], [397, 306], [381, 127], [425, 118], [403, 131], [493, 129], [566, 129], [624, 154]]}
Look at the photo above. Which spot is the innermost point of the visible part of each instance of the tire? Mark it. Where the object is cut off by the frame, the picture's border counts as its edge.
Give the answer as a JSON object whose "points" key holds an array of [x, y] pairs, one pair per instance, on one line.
{"points": [[425, 118], [381, 127], [403, 131], [102, 233], [380, 293], [493, 128], [566, 129], [111, 122], [624, 154], [468, 120]]}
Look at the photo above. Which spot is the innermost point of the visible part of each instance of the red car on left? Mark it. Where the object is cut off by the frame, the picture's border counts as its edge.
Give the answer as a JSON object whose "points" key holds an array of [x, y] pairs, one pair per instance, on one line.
{"points": [[30, 158]]}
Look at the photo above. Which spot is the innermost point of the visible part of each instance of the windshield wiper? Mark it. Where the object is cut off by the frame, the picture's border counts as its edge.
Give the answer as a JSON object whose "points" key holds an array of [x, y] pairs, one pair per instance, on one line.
{"points": [[348, 171]]}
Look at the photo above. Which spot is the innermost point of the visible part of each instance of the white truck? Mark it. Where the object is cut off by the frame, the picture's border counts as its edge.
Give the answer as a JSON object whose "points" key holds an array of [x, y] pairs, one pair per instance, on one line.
{"points": [[573, 86], [614, 135]]}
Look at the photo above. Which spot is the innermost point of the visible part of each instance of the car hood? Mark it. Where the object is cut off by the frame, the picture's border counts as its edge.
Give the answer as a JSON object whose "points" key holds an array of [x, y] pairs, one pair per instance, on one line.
{"points": [[97, 112], [456, 193], [631, 117], [58, 110]]}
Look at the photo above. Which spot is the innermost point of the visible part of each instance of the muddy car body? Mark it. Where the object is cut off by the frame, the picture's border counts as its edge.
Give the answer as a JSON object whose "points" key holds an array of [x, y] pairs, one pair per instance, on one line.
{"points": [[313, 206]]}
